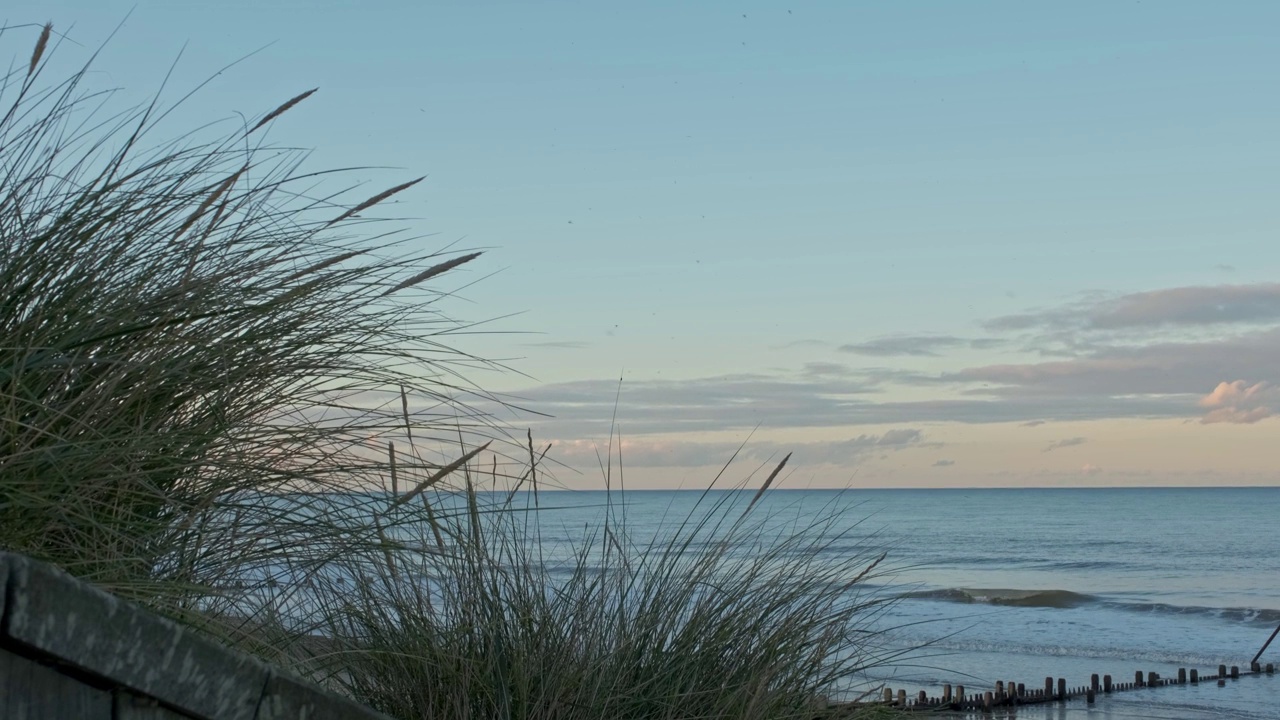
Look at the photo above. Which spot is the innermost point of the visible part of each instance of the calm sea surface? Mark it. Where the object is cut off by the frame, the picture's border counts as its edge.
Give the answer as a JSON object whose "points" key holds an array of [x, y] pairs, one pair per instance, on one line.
{"points": [[1023, 584]]}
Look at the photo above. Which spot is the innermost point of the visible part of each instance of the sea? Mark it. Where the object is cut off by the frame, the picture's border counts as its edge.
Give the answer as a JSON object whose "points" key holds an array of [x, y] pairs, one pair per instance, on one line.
{"points": [[1023, 584]]}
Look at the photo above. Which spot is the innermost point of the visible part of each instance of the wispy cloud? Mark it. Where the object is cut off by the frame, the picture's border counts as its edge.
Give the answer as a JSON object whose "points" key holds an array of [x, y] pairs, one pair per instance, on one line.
{"points": [[944, 463], [1069, 442], [916, 345], [642, 452], [725, 402], [586, 408], [1154, 369], [1184, 306], [826, 369]]}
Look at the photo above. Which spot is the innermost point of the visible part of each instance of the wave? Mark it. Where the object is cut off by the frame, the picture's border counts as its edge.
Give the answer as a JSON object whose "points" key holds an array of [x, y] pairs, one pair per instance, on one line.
{"points": [[1020, 598], [1248, 616], [1066, 599]]}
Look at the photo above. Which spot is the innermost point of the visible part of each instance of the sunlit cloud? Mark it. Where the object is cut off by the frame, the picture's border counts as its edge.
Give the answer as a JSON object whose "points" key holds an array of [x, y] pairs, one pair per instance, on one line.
{"points": [[1239, 402]]}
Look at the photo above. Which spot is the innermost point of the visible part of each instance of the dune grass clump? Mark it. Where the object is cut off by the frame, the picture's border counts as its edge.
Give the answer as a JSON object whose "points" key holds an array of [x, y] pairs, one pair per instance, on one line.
{"points": [[729, 612], [235, 401], [195, 352]]}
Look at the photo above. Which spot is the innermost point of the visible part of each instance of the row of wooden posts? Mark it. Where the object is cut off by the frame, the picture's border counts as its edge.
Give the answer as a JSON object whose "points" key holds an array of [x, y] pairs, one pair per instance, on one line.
{"points": [[1006, 694]]}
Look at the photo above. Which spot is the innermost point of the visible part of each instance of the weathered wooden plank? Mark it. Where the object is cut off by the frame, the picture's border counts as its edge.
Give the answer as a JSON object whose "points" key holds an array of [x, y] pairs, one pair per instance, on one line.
{"points": [[31, 691], [107, 637], [288, 698], [129, 706]]}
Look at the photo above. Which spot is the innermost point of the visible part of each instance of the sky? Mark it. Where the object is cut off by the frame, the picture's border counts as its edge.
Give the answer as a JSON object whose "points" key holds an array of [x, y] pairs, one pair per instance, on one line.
{"points": [[915, 244]]}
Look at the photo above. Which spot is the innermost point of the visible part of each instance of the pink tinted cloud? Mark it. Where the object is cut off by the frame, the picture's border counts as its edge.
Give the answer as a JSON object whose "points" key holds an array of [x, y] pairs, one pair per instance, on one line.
{"points": [[1239, 402]]}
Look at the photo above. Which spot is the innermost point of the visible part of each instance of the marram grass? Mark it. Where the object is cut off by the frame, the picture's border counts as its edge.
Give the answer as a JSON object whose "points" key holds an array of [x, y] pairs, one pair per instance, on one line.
{"points": [[211, 393]]}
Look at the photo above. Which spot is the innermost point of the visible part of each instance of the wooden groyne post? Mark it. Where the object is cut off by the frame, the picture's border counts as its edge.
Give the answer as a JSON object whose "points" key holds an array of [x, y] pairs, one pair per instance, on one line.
{"points": [[1009, 693]]}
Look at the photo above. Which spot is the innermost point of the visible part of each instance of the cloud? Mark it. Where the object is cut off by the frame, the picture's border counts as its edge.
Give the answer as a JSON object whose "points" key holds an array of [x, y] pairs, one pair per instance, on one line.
{"points": [[944, 463], [726, 402], [898, 437], [1239, 402], [1089, 469], [586, 408], [819, 369], [1225, 268], [1193, 306], [1155, 369], [1196, 306], [1101, 374], [916, 345], [642, 452], [1069, 442]]}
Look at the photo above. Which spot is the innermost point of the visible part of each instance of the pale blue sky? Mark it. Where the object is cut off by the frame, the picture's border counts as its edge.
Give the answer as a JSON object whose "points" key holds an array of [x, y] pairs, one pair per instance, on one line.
{"points": [[683, 191]]}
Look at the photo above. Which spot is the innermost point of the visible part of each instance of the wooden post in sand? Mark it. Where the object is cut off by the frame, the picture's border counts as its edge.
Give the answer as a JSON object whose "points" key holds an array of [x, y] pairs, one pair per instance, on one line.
{"points": [[1195, 676], [888, 695], [1062, 689], [960, 694], [946, 693], [1106, 683], [1222, 671], [1267, 644], [923, 698], [1182, 676], [1235, 672], [1137, 678], [1048, 688], [902, 698], [1153, 679]]}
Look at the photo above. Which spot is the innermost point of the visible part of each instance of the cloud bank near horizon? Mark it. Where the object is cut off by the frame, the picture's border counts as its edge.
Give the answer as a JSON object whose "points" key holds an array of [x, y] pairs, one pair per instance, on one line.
{"points": [[1205, 354]]}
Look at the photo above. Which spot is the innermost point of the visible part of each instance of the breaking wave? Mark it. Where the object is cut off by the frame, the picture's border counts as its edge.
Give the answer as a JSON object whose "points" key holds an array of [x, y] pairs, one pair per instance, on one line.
{"points": [[1065, 599]]}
